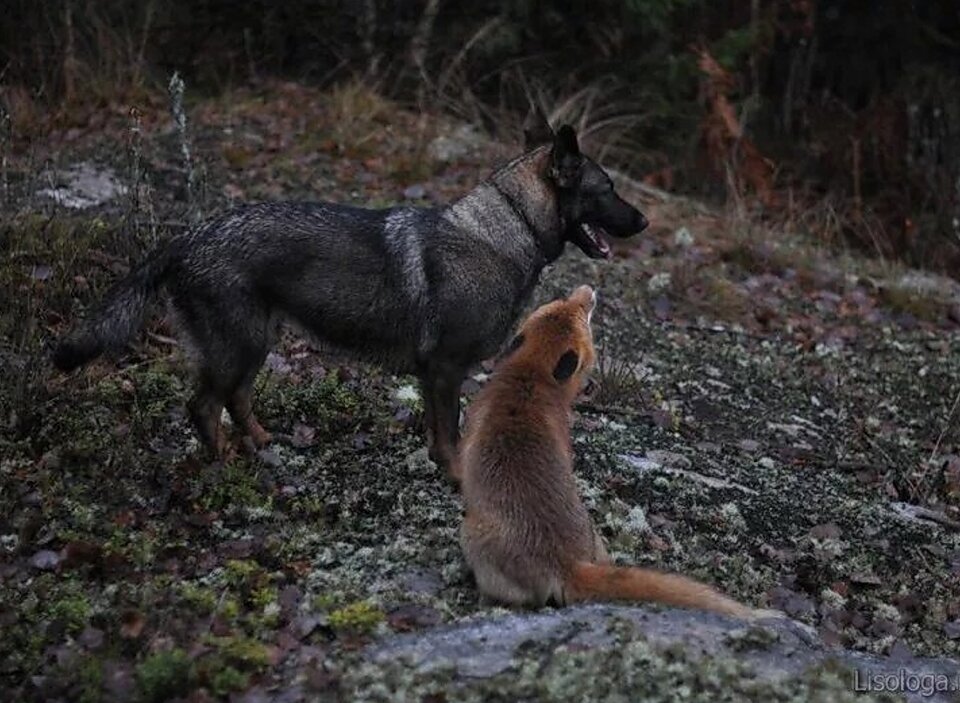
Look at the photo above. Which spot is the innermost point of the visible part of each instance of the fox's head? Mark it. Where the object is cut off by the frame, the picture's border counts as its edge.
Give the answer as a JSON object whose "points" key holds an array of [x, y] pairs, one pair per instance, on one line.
{"points": [[557, 338], [590, 208]]}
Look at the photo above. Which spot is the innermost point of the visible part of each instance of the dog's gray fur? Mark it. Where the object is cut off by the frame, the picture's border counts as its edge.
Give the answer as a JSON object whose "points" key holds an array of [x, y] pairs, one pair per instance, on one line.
{"points": [[429, 291]]}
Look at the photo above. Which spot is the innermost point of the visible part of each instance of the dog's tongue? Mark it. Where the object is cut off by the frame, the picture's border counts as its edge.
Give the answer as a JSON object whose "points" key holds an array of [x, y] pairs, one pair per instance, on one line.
{"points": [[598, 246]]}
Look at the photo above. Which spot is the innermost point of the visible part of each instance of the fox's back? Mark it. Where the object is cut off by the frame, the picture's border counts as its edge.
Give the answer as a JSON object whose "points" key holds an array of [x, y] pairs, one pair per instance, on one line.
{"points": [[517, 464]]}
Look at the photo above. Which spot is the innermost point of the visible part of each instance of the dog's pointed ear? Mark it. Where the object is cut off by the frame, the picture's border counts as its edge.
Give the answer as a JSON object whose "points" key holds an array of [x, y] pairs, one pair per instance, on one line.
{"points": [[566, 366], [536, 129], [566, 158]]}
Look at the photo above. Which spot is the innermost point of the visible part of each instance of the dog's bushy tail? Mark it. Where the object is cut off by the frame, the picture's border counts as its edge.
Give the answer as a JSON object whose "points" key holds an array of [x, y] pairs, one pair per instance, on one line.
{"points": [[118, 316], [607, 582]]}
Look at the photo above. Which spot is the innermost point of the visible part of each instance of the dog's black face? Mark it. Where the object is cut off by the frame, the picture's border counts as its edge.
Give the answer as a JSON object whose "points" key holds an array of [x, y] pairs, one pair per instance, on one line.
{"points": [[593, 211], [590, 208]]}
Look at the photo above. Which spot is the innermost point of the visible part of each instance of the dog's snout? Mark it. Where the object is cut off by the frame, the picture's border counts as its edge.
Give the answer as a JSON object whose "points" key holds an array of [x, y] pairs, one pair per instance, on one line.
{"points": [[640, 222]]}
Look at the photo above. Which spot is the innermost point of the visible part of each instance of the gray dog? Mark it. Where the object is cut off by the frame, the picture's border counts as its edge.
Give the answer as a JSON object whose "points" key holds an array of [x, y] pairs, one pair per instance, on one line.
{"points": [[429, 291]]}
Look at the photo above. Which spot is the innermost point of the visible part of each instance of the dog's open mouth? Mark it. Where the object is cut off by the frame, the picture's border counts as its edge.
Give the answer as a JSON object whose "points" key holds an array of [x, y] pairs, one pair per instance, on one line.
{"points": [[592, 240]]}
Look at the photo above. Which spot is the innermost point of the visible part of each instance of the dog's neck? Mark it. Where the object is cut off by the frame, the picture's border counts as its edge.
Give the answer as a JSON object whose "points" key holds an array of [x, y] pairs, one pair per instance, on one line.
{"points": [[523, 185]]}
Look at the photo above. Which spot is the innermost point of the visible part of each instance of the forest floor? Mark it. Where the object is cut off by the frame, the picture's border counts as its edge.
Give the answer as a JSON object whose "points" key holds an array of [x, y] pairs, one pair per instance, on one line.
{"points": [[769, 415]]}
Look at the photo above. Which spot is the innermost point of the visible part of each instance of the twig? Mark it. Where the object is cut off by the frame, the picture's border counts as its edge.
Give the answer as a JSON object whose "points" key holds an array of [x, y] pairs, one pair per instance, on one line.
{"points": [[368, 32], [857, 198], [420, 43], [610, 409], [163, 339], [943, 432], [689, 326], [920, 514], [452, 65], [176, 89]]}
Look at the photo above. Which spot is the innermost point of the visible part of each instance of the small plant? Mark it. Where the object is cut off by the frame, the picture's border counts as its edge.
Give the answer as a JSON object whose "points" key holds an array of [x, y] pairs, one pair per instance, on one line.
{"points": [[358, 618], [165, 675], [262, 597], [236, 486], [202, 599], [324, 601], [329, 403], [229, 609], [85, 677], [227, 680], [240, 571], [243, 652], [73, 611]]}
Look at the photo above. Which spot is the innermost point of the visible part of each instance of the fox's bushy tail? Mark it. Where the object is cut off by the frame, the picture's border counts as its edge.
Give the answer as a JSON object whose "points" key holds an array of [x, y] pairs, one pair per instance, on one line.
{"points": [[606, 582], [118, 316]]}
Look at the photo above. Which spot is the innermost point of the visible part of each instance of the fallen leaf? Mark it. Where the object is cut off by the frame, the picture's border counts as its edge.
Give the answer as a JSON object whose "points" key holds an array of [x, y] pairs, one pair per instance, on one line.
{"points": [[865, 579], [303, 436], [77, 553], [411, 616], [828, 530], [657, 543], [663, 419], [131, 624], [91, 638], [662, 309], [321, 680]]}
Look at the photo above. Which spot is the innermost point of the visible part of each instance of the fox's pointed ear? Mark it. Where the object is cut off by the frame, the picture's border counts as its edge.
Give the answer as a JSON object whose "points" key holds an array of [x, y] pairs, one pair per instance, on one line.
{"points": [[566, 366], [536, 129], [585, 297], [566, 158]]}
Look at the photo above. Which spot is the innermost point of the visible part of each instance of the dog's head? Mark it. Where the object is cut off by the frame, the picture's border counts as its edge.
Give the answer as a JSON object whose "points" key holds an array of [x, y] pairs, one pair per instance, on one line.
{"points": [[590, 209]]}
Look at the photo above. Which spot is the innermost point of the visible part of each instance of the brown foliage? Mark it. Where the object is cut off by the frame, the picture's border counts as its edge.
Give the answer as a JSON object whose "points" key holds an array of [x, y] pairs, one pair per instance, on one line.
{"points": [[721, 134]]}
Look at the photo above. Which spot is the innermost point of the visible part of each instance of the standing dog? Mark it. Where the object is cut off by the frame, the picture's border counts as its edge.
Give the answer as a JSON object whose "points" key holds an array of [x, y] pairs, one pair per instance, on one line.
{"points": [[527, 535], [429, 291]]}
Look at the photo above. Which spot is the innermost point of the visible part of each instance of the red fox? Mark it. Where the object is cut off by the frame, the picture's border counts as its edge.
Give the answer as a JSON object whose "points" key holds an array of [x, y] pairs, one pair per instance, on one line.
{"points": [[527, 535]]}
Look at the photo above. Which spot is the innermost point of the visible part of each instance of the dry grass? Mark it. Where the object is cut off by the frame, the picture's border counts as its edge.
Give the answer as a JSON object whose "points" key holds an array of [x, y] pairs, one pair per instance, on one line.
{"points": [[356, 115], [618, 383], [920, 306]]}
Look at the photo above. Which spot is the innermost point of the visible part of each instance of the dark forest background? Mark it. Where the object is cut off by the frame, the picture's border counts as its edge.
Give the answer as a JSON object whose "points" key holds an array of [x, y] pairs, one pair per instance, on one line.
{"points": [[842, 115]]}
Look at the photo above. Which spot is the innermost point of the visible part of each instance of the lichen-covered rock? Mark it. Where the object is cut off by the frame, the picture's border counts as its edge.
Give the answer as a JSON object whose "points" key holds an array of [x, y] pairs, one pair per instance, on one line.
{"points": [[82, 186], [605, 652]]}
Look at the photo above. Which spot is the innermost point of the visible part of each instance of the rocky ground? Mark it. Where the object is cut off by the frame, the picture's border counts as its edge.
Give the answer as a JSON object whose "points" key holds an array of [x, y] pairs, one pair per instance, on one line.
{"points": [[768, 415]]}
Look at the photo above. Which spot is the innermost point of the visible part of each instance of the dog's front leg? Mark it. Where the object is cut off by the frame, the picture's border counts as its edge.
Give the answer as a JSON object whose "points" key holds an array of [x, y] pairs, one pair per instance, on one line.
{"points": [[441, 397]]}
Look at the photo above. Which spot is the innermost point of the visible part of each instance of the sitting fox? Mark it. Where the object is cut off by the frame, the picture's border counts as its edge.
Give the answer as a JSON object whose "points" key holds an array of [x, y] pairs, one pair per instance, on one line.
{"points": [[526, 535]]}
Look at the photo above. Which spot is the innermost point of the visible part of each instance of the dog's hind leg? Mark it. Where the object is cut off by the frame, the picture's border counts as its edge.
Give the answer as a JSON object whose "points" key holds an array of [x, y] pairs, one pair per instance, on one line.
{"points": [[205, 410], [232, 334], [228, 382], [240, 406]]}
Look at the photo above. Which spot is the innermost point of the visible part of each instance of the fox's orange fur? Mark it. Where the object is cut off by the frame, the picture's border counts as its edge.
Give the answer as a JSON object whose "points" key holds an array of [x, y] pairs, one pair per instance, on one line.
{"points": [[527, 535]]}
